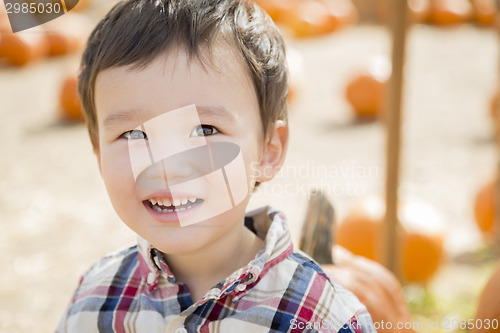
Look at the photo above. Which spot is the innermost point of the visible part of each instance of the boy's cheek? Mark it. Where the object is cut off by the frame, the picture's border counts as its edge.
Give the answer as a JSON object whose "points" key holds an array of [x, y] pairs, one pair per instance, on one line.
{"points": [[115, 168]]}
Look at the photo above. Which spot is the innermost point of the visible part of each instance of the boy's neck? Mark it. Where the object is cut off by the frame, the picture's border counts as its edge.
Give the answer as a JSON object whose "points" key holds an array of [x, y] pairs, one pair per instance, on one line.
{"points": [[202, 269]]}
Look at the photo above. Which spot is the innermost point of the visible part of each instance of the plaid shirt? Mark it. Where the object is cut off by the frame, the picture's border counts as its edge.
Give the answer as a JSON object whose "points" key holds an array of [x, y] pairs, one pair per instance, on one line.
{"points": [[281, 290]]}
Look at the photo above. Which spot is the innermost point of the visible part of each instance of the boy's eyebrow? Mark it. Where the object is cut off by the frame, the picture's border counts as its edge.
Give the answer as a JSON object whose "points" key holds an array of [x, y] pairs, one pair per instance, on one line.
{"points": [[120, 116], [203, 110], [216, 111]]}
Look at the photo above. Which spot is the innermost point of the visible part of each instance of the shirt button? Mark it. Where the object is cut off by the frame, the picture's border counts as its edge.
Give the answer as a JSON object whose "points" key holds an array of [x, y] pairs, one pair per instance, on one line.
{"points": [[151, 278], [180, 330], [241, 287]]}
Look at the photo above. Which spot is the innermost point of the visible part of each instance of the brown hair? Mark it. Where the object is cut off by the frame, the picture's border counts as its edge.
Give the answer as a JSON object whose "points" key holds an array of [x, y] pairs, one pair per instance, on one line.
{"points": [[135, 32]]}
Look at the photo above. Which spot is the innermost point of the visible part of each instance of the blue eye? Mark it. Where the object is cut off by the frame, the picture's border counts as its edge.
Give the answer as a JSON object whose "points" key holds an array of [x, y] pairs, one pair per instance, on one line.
{"points": [[204, 130], [134, 135]]}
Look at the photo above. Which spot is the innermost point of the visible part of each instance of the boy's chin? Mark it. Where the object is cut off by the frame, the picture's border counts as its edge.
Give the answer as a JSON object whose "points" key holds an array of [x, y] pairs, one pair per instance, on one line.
{"points": [[184, 241], [190, 238]]}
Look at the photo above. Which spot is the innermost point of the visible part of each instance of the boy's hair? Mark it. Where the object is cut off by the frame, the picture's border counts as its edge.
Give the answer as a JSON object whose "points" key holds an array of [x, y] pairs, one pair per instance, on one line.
{"points": [[135, 32]]}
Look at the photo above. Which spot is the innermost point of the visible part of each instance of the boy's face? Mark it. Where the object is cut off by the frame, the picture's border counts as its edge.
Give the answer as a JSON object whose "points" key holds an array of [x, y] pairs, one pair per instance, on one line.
{"points": [[181, 147]]}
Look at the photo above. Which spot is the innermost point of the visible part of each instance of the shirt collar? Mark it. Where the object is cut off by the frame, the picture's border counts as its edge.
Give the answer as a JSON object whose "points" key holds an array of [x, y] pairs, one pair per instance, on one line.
{"points": [[268, 224]]}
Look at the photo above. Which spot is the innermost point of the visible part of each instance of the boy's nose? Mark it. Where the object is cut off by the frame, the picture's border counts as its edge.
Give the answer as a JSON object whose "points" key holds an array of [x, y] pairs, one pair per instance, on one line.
{"points": [[179, 168]]}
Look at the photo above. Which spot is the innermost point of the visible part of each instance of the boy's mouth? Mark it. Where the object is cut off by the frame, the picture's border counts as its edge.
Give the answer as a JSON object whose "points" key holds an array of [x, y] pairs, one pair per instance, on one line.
{"points": [[171, 206]]}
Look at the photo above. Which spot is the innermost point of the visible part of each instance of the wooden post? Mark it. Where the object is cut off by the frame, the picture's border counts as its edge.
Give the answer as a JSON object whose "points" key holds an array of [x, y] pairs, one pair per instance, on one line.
{"points": [[497, 130], [393, 122]]}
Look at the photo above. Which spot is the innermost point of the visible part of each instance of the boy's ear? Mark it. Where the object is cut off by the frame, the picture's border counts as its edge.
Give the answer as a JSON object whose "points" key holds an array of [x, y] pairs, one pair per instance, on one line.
{"points": [[274, 152]]}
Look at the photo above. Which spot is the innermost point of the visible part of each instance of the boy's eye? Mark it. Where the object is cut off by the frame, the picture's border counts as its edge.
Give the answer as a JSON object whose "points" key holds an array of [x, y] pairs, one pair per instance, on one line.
{"points": [[204, 130], [134, 135]]}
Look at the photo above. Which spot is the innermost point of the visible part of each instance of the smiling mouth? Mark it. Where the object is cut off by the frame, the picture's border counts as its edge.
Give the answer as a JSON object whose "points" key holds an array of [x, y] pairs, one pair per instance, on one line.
{"points": [[177, 205]]}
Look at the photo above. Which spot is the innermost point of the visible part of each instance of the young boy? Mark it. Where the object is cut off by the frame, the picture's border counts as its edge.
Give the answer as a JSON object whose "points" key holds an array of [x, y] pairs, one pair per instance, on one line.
{"points": [[185, 103]]}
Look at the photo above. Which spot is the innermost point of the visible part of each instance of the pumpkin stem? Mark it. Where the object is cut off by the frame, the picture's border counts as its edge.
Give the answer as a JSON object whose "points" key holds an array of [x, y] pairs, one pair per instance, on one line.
{"points": [[317, 237]]}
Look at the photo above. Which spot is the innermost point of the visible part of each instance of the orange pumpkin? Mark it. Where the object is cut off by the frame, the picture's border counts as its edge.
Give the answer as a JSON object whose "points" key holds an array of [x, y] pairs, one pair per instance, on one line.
{"points": [[23, 47], [422, 255], [67, 34], [69, 100], [419, 10], [484, 12], [375, 286], [421, 239], [366, 94], [361, 232], [485, 210], [343, 13], [309, 18], [488, 308], [276, 9], [449, 12]]}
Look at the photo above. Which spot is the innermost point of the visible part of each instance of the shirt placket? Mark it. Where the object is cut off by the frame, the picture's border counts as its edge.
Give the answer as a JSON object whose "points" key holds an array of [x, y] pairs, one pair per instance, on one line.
{"points": [[177, 324]]}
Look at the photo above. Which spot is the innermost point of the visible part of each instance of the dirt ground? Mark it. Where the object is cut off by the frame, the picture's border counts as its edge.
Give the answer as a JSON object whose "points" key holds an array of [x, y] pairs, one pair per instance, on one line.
{"points": [[57, 220]]}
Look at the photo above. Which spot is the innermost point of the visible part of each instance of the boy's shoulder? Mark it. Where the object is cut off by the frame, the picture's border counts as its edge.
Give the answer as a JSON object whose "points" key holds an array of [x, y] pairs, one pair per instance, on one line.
{"points": [[111, 269], [112, 260], [305, 298]]}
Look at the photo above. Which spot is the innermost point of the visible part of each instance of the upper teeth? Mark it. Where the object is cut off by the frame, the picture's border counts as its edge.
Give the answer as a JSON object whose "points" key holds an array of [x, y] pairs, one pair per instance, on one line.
{"points": [[175, 202]]}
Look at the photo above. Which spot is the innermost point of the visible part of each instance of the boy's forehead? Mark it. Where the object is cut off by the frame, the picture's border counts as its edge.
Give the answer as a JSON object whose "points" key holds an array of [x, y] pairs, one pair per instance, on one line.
{"points": [[171, 67], [191, 114], [220, 58]]}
